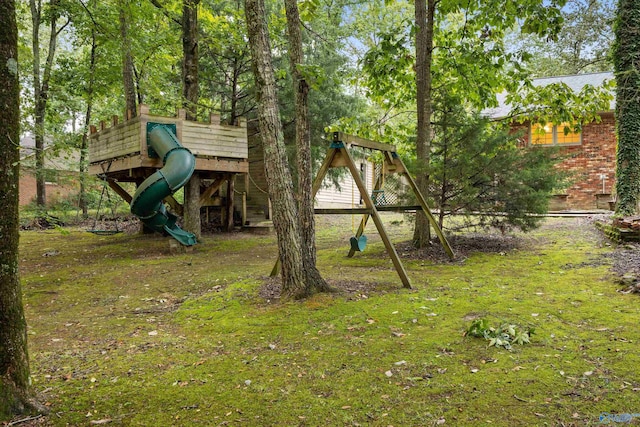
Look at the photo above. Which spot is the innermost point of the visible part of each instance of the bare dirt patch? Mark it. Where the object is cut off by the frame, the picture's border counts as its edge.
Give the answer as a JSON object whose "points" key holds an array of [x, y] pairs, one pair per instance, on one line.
{"points": [[463, 246], [271, 289]]}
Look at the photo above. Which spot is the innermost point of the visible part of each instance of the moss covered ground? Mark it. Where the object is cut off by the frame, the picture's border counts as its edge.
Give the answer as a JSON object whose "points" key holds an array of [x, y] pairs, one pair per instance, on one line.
{"points": [[125, 331]]}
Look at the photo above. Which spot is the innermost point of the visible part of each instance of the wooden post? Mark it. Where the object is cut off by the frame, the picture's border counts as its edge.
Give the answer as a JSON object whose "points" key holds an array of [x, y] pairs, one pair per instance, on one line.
{"points": [[177, 208], [365, 219], [229, 207], [391, 250], [120, 191], [208, 192], [244, 208], [402, 170]]}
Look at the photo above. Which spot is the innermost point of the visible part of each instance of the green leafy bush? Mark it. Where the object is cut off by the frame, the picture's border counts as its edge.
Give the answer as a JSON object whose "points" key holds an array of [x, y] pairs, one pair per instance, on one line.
{"points": [[502, 336]]}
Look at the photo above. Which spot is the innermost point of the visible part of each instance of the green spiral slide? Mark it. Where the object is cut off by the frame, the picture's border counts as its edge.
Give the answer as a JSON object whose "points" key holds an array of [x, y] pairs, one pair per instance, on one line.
{"points": [[179, 165]]}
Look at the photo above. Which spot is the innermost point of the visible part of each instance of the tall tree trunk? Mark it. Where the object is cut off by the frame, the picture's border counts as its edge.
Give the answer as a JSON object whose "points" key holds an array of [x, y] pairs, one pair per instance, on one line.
{"points": [[190, 95], [313, 280], [190, 57], [233, 114], [191, 211], [279, 180], [128, 72], [627, 72], [424, 16], [41, 88], [84, 147], [38, 130], [14, 361]]}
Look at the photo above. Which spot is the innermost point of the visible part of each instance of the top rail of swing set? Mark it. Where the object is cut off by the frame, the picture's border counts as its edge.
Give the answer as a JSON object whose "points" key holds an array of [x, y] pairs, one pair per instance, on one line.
{"points": [[362, 142]]}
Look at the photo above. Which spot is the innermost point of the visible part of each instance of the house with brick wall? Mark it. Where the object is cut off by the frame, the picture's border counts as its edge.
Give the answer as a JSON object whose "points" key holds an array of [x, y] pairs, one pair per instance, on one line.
{"points": [[589, 156], [61, 176]]}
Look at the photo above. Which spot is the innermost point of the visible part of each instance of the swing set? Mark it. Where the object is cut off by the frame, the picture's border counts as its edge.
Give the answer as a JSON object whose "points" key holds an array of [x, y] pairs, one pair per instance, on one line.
{"points": [[104, 231], [338, 155]]}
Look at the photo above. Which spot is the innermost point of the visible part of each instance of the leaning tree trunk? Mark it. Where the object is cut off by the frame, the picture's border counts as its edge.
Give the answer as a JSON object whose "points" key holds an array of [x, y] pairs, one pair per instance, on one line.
{"points": [[424, 16], [625, 54], [192, 221], [14, 362], [278, 175], [313, 279]]}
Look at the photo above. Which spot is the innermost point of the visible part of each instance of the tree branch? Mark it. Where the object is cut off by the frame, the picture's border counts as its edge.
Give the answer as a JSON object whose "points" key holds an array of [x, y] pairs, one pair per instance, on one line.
{"points": [[166, 13]]}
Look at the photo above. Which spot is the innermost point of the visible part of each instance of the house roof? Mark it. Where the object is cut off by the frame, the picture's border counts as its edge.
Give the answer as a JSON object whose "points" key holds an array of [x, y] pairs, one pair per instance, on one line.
{"points": [[64, 159], [575, 82]]}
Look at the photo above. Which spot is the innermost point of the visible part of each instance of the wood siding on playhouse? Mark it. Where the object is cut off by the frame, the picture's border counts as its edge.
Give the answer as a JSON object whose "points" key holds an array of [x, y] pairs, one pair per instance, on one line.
{"points": [[124, 145], [589, 162]]}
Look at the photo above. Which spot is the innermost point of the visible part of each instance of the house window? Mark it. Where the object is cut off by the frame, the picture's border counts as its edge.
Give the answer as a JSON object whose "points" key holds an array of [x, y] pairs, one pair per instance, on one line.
{"points": [[550, 134]]}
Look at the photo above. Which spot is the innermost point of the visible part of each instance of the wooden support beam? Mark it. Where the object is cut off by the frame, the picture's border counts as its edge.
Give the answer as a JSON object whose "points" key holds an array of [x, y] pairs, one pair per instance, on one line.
{"points": [[365, 211], [322, 172], [365, 218], [426, 210], [120, 191], [398, 166], [362, 142], [203, 165], [339, 161], [177, 208], [244, 208], [229, 206], [215, 186], [391, 250], [341, 211]]}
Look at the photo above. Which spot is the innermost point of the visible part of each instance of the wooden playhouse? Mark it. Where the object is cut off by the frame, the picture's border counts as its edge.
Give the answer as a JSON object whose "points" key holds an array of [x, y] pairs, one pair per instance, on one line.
{"points": [[120, 154]]}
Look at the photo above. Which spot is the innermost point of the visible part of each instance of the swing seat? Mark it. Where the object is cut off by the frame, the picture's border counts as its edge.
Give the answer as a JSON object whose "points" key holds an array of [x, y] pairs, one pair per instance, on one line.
{"points": [[358, 244]]}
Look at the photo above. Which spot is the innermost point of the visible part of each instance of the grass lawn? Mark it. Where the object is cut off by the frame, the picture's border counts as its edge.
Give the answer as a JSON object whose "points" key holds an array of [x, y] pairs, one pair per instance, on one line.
{"points": [[123, 331]]}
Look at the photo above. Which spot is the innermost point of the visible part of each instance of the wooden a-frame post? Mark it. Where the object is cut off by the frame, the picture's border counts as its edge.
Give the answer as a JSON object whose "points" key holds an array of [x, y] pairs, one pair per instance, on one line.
{"points": [[339, 156]]}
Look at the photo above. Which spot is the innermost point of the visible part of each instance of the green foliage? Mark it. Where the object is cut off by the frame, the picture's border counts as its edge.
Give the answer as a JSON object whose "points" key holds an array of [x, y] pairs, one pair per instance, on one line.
{"points": [[470, 57], [504, 335], [626, 49], [582, 46], [480, 171], [558, 103]]}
